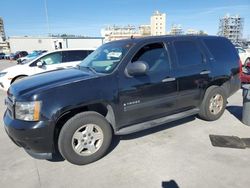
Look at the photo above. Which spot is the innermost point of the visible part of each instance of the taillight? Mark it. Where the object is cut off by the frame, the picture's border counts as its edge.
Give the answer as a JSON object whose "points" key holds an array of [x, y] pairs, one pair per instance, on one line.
{"points": [[240, 71]]}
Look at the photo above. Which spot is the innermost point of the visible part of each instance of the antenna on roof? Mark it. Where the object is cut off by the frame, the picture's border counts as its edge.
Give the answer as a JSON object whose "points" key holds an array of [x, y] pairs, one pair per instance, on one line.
{"points": [[132, 37]]}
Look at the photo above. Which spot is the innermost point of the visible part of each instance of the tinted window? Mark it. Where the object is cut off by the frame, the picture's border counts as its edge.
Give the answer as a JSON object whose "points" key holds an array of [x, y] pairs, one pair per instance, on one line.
{"points": [[187, 53], [53, 58], [155, 55], [221, 49], [76, 55]]}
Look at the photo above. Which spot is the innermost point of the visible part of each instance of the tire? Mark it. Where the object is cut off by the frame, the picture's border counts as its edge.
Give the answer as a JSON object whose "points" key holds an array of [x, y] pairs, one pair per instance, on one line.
{"points": [[76, 134], [211, 112], [18, 78]]}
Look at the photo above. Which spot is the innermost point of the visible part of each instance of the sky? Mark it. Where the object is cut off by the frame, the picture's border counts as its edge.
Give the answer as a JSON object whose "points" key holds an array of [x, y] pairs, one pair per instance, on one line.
{"points": [[84, 17]]}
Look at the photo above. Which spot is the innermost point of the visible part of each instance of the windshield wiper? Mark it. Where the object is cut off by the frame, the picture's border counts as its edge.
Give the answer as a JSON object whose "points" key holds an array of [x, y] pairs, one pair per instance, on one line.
{"points": [[88, 67]]}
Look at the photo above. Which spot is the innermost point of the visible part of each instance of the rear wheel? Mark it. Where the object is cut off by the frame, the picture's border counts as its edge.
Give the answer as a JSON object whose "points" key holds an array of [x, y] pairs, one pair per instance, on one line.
{"points": [[214, 103], [85, 138]]}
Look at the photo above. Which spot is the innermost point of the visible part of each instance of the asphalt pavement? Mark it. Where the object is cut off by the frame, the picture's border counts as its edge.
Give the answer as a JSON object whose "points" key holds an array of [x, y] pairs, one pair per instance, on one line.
{"points": [[177, 154]]}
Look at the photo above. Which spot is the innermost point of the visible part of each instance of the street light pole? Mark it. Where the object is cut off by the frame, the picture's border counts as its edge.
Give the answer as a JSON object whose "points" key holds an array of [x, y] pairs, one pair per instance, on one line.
{"points": [[47, 17]]}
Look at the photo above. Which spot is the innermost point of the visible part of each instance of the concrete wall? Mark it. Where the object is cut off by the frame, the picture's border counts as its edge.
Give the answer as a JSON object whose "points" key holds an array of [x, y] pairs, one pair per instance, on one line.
{"points": [[84, 43], [30, 44], [42, 43]]}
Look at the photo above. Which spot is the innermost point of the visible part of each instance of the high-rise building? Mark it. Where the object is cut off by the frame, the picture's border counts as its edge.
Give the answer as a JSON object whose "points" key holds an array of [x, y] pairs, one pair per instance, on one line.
{"points": [[158, 23], [2, 33], [231, 27]]}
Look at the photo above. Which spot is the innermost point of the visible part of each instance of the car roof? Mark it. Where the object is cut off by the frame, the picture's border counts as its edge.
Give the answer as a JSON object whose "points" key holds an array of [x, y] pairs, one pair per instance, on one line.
{"points": [[152, 38], [59, 50]]}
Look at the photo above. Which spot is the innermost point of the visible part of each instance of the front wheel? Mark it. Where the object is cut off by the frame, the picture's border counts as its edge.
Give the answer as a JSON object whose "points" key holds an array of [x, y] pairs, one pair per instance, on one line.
{"points": [[85, 138], [214, 103]]}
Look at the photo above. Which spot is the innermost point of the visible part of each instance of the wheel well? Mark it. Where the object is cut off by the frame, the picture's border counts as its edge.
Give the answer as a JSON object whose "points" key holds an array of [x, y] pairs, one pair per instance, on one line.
{"points": [[17, 77], [223, 82], [105, 110]]}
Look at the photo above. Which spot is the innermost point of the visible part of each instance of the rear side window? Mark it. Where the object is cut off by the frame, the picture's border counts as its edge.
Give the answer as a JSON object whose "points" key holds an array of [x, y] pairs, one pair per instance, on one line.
{"points": [[221, 49], [187, 53], [76, 55]]}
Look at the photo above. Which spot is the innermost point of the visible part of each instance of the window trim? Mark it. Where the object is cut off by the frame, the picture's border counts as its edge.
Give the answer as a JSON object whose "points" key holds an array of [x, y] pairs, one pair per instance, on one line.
{"points": [[165, 46]]}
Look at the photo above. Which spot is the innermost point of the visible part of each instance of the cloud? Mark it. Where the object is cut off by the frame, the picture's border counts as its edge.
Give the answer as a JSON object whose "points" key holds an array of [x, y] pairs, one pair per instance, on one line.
{"points": [[214, 10]]}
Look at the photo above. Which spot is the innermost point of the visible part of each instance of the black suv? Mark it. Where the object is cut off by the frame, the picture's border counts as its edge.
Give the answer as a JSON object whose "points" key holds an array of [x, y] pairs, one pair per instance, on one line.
{"points": [[121, 88]]}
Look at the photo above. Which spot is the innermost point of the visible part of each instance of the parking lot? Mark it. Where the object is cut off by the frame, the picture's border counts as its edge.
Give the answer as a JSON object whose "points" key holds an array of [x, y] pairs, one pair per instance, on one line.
{"points": [[177, 154]]}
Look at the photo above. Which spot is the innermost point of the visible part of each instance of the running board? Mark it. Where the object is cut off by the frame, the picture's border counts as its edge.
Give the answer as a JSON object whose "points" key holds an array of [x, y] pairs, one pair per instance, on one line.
{"points": [[156, 122]]}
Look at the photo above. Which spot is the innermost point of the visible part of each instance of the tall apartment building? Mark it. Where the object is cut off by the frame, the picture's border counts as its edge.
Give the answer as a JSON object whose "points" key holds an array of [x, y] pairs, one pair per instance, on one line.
{"points": [[158, 23], [231, 27], [2, 33]]}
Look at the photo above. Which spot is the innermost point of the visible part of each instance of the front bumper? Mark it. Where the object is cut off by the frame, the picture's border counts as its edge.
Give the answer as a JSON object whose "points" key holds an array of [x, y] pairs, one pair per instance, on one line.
{"points": [[35, 137]]}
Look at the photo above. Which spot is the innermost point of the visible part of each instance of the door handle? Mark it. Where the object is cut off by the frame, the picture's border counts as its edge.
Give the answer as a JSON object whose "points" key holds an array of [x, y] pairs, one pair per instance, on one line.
{"points": [[168, 80], [205, 72]]}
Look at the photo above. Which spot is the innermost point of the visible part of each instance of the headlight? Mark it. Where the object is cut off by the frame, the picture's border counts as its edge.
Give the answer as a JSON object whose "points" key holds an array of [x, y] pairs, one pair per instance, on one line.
{"points": [[28, 111], [2, 74]]}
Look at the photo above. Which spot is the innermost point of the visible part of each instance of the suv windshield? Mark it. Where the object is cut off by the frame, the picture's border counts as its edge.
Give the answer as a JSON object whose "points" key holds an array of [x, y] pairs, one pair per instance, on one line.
{"points": [[106, 57]]}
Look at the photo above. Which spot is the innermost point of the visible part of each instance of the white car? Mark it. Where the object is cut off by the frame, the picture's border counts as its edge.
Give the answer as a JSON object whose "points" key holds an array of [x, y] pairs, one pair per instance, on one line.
{"points": [[58, 59], [244, 55]]}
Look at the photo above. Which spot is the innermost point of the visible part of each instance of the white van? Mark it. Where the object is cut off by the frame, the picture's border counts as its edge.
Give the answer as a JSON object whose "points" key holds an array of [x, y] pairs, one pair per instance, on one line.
{"points": [[58, 59]]}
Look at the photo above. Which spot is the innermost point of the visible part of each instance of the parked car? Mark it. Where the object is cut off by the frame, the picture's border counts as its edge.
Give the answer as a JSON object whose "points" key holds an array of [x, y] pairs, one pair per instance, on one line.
{"points": [[123, 87], [2, 55], [244, 55], [32, 55], [8, 56], [245, 76], [19, 54], [50, 61]]}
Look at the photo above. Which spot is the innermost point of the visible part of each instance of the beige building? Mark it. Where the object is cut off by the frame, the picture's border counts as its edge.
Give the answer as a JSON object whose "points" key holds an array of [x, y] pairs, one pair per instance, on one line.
{"points": [[112, 33], [157, 27], [2, 32], [192, 32], [145, 30], [232, 28], [158, 23], [176, 30]]}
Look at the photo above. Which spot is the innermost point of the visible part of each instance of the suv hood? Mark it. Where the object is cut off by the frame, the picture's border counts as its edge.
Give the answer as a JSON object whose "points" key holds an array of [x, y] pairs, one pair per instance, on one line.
{"points": [[49, 80]]}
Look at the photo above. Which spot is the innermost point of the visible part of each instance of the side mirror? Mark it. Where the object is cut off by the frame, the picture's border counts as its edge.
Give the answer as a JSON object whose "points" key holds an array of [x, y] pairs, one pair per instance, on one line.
{"points": [[40, 64], [137, 68]]}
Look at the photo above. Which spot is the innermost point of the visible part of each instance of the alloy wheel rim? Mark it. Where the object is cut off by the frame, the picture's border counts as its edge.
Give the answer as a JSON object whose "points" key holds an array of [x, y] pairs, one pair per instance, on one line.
{"points": [[216, 104], [87, 139]]}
